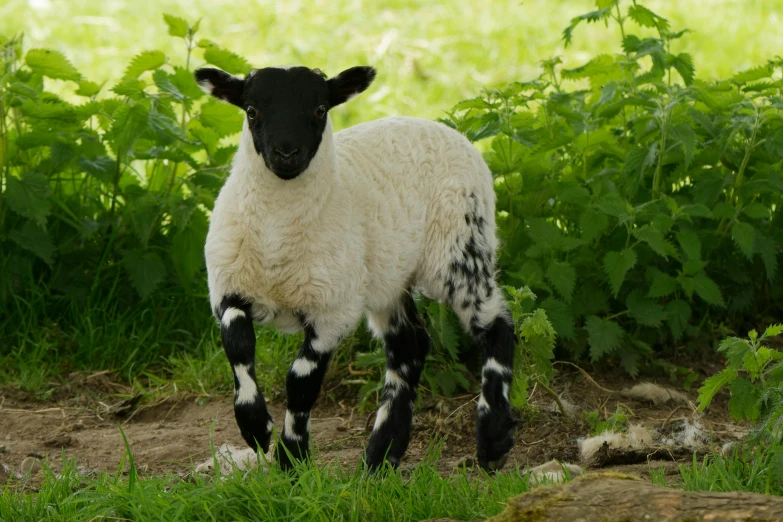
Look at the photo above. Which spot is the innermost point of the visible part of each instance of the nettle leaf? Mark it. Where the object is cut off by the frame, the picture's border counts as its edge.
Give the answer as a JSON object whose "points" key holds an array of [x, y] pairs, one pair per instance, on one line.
{"points": [[646, 18], [88, 89], [712, 385], [707, 290], [52, 64], [772, 330], [187, 252], [129, 87], [683, 133], [28, 196], [756, 211], [130, 121], [145, 61], [754, 74], [223, 118], [662, 285], [230, 62], [655, 240], [592, 224], [146, 270], [617, 265], [690, 243], [563, 277], [561, 317], [35, 239], [163, 82], [683, 63], [678, 313], [735, 350], [768, 251], [604, 336], [592, 16], [646, 311], [744, 235], [745, 400], [177, 26], [185, 83]]}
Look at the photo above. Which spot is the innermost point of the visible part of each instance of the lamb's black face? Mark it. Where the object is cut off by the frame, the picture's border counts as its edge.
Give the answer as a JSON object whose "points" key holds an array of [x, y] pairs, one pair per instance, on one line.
{"points": [[286, 108], [286, 114]]}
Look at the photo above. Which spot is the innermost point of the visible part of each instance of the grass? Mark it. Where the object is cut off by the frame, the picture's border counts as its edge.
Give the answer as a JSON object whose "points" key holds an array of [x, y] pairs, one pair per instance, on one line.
{"points": [[317, 493]]}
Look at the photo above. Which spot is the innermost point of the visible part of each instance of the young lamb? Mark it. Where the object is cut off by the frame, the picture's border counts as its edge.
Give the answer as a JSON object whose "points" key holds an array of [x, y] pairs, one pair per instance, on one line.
{"points": [[314, 229]]}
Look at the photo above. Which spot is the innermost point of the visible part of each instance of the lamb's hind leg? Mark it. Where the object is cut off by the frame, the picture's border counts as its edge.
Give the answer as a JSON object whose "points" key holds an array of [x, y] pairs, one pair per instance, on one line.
{"points": [[407, 343]]}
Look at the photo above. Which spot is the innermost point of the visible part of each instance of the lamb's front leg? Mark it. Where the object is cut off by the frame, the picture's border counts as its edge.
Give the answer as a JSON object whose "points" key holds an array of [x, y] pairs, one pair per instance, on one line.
{"points": [[239, 342], [302, 386]]}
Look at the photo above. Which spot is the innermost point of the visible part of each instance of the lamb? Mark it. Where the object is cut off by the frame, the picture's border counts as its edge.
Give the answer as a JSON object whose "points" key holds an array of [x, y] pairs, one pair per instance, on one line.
{"points": [[314, 229]]}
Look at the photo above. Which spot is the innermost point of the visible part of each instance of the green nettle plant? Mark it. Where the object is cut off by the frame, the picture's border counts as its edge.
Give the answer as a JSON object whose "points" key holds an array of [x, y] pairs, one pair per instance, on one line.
{"points": [[641, 204], [754, 377], [104, 201]]}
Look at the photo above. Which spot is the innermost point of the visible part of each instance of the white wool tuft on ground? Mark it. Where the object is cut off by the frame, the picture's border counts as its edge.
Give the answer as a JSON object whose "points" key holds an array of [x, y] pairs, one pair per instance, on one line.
{"points": [[553, 471], [230, 458], [648, 391], [636, 438]]}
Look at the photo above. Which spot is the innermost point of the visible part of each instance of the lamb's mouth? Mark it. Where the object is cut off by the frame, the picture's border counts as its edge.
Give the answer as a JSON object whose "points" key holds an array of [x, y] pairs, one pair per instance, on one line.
{"points": [[288, 173]]}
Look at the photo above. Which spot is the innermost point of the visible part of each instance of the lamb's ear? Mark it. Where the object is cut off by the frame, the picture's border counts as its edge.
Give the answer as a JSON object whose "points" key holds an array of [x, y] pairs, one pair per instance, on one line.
{"points": [[221, 85], [349, 83]]}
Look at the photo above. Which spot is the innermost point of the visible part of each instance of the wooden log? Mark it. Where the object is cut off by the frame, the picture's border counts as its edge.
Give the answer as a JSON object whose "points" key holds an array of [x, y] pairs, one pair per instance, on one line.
{"points": [[613, 497]]}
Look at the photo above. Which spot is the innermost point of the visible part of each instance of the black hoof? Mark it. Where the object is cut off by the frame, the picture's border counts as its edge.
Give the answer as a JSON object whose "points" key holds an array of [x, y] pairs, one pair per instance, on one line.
{"points": [[495, 440]]}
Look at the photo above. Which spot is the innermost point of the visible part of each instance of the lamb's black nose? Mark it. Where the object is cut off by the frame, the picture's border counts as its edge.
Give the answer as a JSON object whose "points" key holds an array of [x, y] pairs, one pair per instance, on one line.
{"points": [[286, 154]]}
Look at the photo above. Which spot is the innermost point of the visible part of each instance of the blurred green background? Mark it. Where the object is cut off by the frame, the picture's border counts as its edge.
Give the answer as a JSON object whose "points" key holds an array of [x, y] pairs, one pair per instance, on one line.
{"points": [[430, 54]]}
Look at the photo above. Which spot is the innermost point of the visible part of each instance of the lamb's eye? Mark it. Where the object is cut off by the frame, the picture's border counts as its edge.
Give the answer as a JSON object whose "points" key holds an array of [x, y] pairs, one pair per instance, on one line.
{"points": [[251, 113], [320, 111]]}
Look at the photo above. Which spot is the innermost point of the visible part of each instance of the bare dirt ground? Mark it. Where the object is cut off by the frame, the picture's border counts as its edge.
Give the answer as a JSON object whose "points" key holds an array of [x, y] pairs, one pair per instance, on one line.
{"points": [[83, 418]]}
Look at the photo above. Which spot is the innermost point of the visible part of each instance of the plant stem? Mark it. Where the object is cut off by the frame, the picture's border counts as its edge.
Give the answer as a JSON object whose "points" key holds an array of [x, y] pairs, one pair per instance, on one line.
{"points": [[661, 149], [554, 396]]}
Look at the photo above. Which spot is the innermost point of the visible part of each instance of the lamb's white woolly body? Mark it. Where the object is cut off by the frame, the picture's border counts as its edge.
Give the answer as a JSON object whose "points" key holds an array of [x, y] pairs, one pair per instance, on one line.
{"points": [[381, 208]]}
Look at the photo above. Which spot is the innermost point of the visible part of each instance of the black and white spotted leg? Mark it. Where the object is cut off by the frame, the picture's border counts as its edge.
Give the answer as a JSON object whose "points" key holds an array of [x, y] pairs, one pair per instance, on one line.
{"points": [[239, 342], [302, 386], [407, 343], [494, 426]]}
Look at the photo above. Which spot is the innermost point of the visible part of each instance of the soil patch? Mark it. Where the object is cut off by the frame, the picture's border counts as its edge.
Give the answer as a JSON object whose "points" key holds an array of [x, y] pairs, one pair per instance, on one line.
{"points": [[172, 435]]}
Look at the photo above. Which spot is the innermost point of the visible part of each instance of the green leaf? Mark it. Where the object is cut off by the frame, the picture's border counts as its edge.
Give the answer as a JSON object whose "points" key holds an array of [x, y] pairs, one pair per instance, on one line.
{"points": [[744, 235], [561, 317], [28, 196], [655, 239], [604, 336], [187, 253], [163, 82], [223, 118], [690, 244], [768, 251], [745, 400], [683, 63], [185, 83], [712, 385], [686, 138], [592, 224], [177, 26], [662, 285], [52, 64], [646, 311], [708, 290], [646, 18], [754, 74], [563, 277], [756, 211], [678, 313], [33, 238], [145, 61], [130, 121], [88, 88], [735, 350], [617, 265], [230, 62], [146, 270], [129, 87], [773, 330]]}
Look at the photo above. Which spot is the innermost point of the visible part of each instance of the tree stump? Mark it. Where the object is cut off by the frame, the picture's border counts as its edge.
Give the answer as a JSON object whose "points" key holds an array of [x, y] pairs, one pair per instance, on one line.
{"points": [[612, 497]]}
